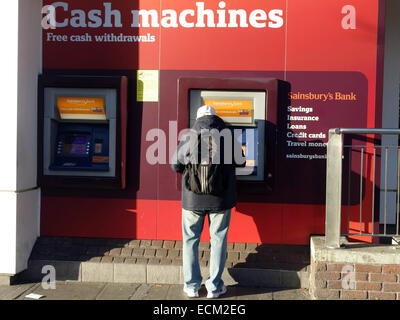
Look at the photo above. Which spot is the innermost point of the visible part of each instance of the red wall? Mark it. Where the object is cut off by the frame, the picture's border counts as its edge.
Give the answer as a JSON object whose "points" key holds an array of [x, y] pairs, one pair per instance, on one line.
{"points": [[311, 51]]}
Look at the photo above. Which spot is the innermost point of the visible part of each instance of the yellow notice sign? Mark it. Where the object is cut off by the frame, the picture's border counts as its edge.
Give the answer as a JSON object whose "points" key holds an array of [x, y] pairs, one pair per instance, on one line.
{"points": [[81, 108], [238, 111], [147, 85]]}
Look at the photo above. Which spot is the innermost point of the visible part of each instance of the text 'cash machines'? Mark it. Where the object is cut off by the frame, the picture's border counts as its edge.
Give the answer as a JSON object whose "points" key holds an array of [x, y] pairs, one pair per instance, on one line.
{"points": [[82, 132], [249, 107]]}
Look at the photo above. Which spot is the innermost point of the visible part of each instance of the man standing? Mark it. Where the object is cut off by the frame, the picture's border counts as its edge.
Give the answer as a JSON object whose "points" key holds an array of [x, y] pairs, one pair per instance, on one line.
{"points": [[209, 191]]}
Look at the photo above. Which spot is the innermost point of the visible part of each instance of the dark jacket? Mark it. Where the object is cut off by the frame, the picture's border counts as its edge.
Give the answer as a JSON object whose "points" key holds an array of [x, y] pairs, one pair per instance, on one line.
{"points": [[199, 202]]}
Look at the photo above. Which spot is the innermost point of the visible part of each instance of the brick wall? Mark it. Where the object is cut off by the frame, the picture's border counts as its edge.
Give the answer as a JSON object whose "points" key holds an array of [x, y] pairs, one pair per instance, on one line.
{"points": [[354, 281]]}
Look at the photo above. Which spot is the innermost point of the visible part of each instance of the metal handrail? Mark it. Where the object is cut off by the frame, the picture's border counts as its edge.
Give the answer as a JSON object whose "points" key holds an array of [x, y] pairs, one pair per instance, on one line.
{"points": [[365, 131], [334, 180]]}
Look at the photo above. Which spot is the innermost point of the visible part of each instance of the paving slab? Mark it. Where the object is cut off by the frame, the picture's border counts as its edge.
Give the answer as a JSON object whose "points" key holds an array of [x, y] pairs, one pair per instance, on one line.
{"points": [[141, 292], [175, 292], [130, 273], [248, 293], [67, 291], [5, 280], [163, 274], [252, 277], [151, 292], [76, 290], [14, 291], [291, 294], [157, 292], [120, 291], [294, 279], [97, 272]]}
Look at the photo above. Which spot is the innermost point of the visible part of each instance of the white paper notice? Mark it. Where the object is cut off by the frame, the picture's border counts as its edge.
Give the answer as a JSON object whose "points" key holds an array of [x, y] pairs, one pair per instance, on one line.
{"points": [[147, 85], [34, 296]]}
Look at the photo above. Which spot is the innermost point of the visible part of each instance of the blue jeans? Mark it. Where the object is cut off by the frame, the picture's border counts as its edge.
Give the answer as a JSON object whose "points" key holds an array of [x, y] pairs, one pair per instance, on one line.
{"points": [[192, 226]]}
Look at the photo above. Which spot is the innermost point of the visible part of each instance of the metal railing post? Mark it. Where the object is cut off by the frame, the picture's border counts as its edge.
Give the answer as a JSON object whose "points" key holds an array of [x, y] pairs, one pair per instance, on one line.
{"points": [[333, 189], [335, 152]]}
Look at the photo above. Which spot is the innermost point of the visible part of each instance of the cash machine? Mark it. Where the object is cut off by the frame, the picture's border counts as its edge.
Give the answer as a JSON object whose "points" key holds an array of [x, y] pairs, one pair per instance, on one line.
{"points": [[82, 132], [248, 106], [244, 111]]}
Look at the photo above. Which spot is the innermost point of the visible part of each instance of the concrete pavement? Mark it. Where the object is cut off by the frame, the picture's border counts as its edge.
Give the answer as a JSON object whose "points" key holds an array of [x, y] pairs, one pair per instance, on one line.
{"points": [[74, 290]]}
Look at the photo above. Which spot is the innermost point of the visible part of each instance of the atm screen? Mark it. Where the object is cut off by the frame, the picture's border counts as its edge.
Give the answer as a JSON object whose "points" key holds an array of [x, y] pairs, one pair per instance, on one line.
{"points": [[74, 144]]}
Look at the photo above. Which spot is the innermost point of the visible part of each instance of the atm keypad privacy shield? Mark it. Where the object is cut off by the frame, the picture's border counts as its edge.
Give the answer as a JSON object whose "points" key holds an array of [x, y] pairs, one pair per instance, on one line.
{"points": [[249, 141], [81, 147]]}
